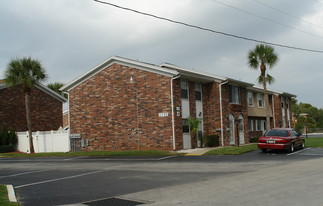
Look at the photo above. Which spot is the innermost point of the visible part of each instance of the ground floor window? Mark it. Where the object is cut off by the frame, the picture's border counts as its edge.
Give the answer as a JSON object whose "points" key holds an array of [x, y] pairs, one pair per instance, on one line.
{"points": [[231, 128], [250, 124], [186, 127]]}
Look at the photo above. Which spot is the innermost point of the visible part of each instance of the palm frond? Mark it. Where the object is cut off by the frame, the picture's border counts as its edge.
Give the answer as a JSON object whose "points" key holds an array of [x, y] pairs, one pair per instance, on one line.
{"points": [[25, 71]]}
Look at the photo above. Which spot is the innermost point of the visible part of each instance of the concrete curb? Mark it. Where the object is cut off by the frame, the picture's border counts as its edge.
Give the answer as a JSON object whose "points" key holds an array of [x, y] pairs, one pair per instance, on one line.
{"points": [[11, 193]]}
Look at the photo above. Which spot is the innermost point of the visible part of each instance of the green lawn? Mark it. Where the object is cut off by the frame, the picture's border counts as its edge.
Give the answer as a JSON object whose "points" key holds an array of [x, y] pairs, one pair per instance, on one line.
{"points": [[4, 200], [94, 153], [233, 150], [314, 142]]}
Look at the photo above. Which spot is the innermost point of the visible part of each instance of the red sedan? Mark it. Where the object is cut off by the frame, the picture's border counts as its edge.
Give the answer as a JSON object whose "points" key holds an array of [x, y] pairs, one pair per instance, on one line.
{"points": [[281, 138]]}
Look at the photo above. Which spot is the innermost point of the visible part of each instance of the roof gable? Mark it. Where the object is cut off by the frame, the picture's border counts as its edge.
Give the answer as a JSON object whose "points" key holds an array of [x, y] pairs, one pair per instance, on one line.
{"points": [[42, 88], [122, 61]]}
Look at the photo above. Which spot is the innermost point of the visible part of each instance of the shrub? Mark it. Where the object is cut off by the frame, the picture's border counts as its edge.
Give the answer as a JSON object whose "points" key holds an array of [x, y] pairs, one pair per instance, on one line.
{"points": [[12, 138], [4, 136], [7, 148], [212, 140], [254, 139]]}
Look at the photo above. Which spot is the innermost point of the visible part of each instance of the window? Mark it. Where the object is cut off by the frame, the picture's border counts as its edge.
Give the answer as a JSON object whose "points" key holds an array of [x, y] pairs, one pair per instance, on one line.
{"points": [[250, 99], [234, 94], [250, 124], [231, 129], [186, 127], [184, 89], [198, 91], [260, 100], [258, 125]]}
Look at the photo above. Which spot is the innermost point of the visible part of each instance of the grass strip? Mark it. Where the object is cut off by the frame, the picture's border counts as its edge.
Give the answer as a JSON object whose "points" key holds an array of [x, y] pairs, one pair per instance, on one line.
{"points": [[93, 153], [4, 200], [233, 150], [314, 142]]}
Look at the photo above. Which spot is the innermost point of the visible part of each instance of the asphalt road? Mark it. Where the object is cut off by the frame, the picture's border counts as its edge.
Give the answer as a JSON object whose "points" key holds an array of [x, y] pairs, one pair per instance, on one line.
{"points": [[255, 178]]}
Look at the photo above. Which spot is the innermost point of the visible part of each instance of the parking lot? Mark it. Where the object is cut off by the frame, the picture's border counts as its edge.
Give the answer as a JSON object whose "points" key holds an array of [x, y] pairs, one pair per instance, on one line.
{"points": [[169, 180]]}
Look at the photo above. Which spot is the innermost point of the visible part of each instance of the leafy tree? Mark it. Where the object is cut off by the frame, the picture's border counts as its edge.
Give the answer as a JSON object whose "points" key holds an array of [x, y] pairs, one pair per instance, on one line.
{"points": [[26, 72], [55, 87], [263, 56]]}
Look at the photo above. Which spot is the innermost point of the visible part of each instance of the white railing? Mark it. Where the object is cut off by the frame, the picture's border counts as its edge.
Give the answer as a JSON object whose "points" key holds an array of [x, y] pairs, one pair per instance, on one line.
{"points": [[48, 141]]}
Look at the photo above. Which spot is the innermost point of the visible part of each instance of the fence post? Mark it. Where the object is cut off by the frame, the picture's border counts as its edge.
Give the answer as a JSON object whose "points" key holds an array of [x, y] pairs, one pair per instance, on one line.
{"points": [[28, 145], [51, 136]]}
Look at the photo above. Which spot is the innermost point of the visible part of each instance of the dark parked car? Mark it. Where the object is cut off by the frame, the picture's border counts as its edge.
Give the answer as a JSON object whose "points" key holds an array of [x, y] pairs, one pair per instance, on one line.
{"points": [[281, 138]]}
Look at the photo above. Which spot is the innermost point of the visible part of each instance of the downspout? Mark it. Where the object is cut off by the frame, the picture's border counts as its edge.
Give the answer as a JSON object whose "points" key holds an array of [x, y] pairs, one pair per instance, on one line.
{"points": [[272, 100], [221, 115], [69, 118], [173, 115]]}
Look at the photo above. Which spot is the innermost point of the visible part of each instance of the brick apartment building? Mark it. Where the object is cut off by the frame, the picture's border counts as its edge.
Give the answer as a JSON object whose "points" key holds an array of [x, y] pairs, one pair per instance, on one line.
{"points": [[124, 104], [46, 108]]}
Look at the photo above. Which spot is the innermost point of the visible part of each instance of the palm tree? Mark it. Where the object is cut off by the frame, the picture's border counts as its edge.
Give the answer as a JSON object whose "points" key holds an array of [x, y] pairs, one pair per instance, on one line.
{"points": [[55, 87], [25, 72], [263, 56]]}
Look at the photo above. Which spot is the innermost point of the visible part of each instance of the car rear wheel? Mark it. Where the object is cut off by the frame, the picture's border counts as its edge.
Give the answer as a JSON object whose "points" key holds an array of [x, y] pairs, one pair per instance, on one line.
{"points": [[291, 148], [303, 144], [264, 150]]}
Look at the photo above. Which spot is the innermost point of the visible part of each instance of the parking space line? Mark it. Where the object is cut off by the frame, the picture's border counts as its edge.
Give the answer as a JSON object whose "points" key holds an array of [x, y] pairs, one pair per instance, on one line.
{"points": [[24, 173], [73, 158], [57, 179], [167, 157], [298, 151]]}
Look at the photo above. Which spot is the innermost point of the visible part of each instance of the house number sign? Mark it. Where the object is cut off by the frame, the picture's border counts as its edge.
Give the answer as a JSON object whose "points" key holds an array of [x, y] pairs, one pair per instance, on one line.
{"points": [[163, 114]]}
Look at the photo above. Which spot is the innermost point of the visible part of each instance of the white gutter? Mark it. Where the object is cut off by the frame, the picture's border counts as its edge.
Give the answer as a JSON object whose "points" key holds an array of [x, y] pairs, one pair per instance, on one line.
{"points": [[172, 102], [221, 115], [69, 118]]}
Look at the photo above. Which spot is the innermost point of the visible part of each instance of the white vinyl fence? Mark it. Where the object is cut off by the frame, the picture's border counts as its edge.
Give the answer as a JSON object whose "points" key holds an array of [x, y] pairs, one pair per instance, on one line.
{"points": [[49, 141]]}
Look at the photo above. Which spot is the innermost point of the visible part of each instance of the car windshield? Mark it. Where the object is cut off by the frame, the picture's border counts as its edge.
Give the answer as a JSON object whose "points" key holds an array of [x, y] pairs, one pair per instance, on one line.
{"points": [[280, 133]]}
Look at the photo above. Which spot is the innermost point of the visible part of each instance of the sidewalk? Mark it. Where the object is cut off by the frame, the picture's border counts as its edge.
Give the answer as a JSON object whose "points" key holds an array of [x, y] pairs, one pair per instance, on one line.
{"points": [[196, 151]]}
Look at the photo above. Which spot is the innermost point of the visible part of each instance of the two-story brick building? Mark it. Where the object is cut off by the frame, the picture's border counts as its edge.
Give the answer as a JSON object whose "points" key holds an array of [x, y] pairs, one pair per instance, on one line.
{"points": [[123, 104], [279, 106]]}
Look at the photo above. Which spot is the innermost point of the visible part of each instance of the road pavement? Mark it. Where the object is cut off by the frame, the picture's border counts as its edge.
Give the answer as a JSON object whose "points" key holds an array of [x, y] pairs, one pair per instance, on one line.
{"points": [[255, 178]]}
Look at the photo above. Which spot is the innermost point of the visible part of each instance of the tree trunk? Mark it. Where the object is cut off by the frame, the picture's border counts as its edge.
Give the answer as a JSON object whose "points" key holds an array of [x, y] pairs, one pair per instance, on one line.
{"points": [[263, 74], [28, 117]]}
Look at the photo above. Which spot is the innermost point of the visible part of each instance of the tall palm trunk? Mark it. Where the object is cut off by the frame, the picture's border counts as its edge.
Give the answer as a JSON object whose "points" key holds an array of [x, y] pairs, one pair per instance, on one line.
{"points": [[28, 117], [263, 74]]}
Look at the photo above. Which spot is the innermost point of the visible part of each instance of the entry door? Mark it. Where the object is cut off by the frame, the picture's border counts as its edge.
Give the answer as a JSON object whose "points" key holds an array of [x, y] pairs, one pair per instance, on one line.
{"points": [[187, 141], [241, 130]]}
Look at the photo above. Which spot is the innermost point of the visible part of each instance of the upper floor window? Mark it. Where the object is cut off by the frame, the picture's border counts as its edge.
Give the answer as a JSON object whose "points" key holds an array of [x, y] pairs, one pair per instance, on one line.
{"points": [[282, 100], [198, 91], [234, 95], [260, 99], [184, 89], [250, 99]]}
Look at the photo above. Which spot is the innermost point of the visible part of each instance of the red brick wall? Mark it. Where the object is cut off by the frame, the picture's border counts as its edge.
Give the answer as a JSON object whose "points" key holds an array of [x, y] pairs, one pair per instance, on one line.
{"points": [[178, 114], [104, 110], [211, 108], [278, 110], [46, 110], [65, 119]]}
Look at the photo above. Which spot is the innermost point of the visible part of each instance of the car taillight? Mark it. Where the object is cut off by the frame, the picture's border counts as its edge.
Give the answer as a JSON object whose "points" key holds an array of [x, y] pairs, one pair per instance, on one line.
{"points": [[262, 140], [281, 140]]}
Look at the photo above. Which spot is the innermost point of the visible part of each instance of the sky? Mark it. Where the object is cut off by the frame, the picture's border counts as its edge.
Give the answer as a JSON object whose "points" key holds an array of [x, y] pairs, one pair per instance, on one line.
{"points": [[70, 37]]}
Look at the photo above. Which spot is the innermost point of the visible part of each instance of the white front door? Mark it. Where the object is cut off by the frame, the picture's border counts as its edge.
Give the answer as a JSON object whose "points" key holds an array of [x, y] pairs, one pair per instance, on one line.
{"points": [[187, 141]]}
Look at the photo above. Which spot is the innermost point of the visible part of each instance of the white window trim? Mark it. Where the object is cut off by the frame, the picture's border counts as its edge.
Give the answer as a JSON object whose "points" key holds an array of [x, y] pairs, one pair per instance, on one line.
{"points": [[262, 100], [252, 104]]}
